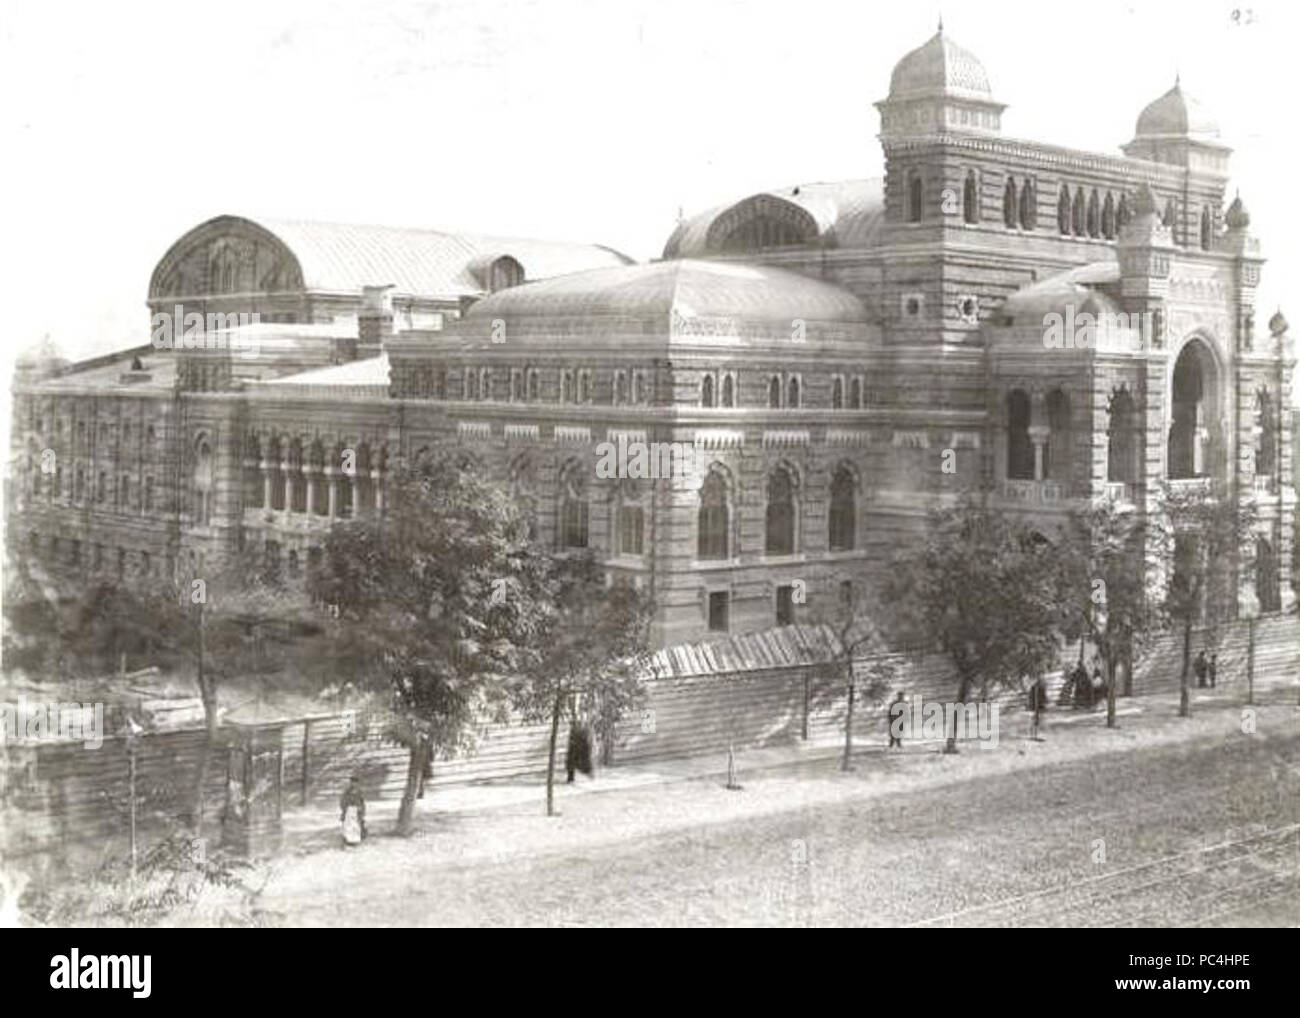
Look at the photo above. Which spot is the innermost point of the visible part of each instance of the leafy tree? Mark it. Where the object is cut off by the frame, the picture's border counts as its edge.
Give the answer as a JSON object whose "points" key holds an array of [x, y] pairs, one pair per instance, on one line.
{"points": [[590, 647], [436, 602], [856, 637], [1206, 548], [983, 588], [1105, 563]]}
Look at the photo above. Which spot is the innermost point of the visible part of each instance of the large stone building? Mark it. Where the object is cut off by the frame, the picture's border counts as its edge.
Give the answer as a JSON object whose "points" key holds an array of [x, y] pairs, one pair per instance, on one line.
{"points": [[1044, 324]]}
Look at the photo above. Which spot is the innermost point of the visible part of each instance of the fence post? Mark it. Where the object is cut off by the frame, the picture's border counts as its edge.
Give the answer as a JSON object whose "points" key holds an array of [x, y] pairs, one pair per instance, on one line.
{"points": [[306, 759], [1250, 662]]}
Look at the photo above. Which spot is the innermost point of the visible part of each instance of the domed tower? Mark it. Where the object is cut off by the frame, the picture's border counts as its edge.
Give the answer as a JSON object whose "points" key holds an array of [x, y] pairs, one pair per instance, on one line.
{"points": [[1176, 129], [937, 88]]}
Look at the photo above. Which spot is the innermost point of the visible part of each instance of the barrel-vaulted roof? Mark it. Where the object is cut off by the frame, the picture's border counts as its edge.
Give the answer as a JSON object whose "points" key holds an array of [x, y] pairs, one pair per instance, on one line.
{"points": [[842, 213], [343, 257]]}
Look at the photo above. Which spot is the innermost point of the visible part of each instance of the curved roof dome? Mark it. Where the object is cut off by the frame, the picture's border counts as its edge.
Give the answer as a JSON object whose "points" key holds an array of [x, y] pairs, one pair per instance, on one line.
{"points": [[939, 67], [682, 287], [844, 214], [1176, 114]]}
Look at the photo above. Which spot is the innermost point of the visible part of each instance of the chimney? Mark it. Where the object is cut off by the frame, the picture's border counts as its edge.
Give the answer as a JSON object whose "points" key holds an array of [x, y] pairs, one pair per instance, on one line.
{"points": [[375, 320]]}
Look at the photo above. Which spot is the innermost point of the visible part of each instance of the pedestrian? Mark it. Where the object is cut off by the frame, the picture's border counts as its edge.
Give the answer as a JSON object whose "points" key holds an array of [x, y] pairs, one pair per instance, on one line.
{"points": [[896, 740], [352, 812], [577, 755], [1037, 704], [1201, 667], [1082, 687], [1098, 685], [1214, 668]]}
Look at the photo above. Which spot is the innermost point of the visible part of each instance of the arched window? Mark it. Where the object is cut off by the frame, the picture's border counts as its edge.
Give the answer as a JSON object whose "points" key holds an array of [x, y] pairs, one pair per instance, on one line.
{"points": [[275, 461], [631, 530], [620, 388], [1108, 217], [706, 391], [485, 383], [1009, 206], [566, 386], [1020, 451], [774, 392], [970, 202], [855, 394], [629, 518], [1028, 205], [1094, 214], [471, 383], [1170, 218], [1123, 448], [297, 480], [584, 386], [203, 483], [1207, 235], [728, 391], [364, 482], [523, 489], [1122, 214], [844, 511], [1056, 457], [837, 393], [1078, 214], [792, 392], [1063, 209], [318, 503], [534, 384], [914, 197], [1266, 444], [780, 518], [714, 518], [573, 507], [761, 232], [505, 272]]}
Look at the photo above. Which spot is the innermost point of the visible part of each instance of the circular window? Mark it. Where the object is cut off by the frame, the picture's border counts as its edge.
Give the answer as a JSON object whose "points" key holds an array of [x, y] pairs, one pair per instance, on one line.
{"points": [[913, 307], [968, 307]]}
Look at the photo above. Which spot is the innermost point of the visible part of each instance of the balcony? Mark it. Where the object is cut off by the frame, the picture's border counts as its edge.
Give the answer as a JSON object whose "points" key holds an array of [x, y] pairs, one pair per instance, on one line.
{"points": [[1033, 492], [1119, 492]]}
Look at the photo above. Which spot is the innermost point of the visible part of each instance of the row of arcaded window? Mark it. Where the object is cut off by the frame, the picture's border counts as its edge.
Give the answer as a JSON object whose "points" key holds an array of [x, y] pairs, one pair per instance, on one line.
{"points": [[715, 513], [1088, 214]]}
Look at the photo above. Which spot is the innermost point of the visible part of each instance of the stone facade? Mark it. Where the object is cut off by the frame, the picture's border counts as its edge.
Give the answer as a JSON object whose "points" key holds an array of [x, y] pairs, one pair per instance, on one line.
{"points": [[836, 357]]}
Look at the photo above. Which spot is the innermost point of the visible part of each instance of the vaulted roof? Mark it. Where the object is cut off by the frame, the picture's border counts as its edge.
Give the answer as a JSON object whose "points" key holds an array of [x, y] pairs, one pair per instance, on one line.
{"points": [[842, 213], [343, 257]]}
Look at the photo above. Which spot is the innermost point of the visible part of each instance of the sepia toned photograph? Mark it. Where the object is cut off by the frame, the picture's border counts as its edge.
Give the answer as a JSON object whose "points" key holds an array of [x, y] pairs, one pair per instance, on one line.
{"points": [[692, 463]]}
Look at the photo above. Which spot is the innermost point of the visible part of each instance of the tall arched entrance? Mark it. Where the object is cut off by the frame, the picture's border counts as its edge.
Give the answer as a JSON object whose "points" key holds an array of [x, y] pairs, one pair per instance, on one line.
{"points": [[1195, 408]]}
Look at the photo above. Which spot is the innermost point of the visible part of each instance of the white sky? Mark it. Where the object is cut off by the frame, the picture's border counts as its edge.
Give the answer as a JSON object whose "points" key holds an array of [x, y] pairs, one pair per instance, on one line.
{"points": [[122, 125]]}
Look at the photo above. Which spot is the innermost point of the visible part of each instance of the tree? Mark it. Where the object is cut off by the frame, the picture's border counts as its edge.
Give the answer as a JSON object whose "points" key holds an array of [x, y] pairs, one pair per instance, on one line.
{"points": [[982, 587], [435, 604], [1206, 549], [1105, 563], [228, 620], [854, 633], [590, 646]]}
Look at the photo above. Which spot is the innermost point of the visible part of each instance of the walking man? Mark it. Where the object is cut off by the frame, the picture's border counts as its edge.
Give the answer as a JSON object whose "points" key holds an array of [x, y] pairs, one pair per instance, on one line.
{"points": [[896, 714], [1214, 668], [1201, 667]]}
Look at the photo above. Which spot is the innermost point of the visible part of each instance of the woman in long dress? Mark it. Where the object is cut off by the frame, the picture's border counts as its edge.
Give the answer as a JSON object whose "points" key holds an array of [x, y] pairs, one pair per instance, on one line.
{"points": [[352, 812]]}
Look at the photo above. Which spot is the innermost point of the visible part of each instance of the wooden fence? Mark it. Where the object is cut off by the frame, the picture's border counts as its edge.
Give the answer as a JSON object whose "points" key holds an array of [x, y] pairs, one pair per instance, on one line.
{"points": [[54, 794]]}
